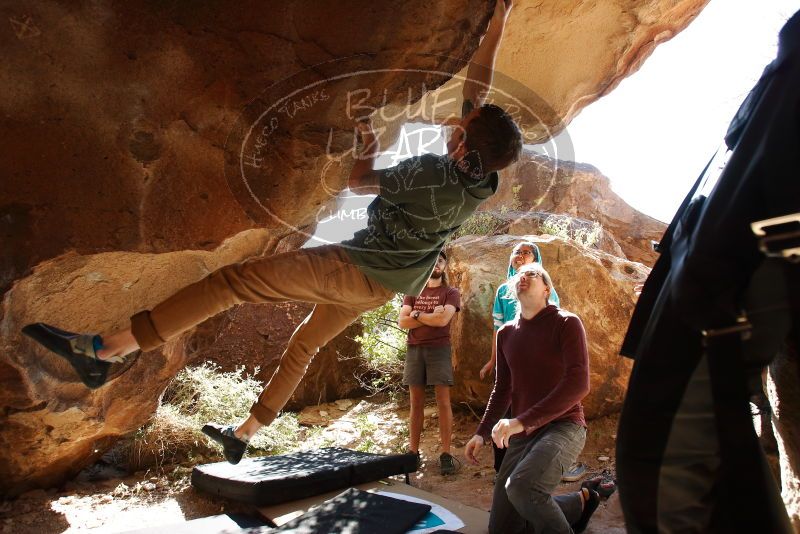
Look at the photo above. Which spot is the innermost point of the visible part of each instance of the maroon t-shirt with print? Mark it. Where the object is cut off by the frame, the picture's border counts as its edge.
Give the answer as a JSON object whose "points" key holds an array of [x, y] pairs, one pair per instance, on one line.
{"points": [[426, 301]]}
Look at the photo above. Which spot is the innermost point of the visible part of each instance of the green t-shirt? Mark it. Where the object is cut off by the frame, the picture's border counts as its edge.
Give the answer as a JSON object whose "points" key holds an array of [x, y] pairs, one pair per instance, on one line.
{"points": [[422, 201]]}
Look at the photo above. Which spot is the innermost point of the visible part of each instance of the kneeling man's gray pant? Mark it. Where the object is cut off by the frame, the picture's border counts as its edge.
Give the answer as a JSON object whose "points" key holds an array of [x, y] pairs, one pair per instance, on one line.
{"points": [[531, 470]]}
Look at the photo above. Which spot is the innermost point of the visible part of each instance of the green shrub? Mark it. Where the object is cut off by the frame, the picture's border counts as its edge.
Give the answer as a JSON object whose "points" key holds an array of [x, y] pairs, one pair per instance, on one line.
{"points": [[383, 348], [585, 233], [366, 429], [203, 394], [482, 223], [588, 236], [196, 396], [516, 202]]}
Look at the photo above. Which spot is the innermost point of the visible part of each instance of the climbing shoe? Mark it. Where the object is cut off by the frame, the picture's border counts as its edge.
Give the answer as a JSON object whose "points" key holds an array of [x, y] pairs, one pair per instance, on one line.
{"points": [[589, 507], [232, 447], [80, 350]]}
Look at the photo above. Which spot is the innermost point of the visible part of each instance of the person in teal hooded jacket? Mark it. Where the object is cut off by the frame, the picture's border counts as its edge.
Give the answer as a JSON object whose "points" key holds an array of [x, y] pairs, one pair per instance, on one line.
{"points": [[506, 309]]}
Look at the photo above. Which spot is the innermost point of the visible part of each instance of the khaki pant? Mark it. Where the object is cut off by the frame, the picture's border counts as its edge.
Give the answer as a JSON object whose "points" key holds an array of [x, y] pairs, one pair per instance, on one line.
{"points": [[322, 275]]}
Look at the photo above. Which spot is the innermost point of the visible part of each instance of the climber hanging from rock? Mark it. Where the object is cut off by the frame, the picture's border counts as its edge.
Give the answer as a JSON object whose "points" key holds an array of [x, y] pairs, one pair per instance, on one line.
{"points": [[407, 227]]}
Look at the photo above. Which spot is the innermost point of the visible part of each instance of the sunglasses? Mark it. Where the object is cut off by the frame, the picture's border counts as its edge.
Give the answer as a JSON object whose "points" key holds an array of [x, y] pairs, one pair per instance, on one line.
{"points": [[530, 274]]}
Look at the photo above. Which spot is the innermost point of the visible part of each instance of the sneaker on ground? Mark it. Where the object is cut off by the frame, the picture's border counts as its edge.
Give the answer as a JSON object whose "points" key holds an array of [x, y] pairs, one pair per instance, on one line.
{"points": [[575, 472], [232, 447], [449, 464]]}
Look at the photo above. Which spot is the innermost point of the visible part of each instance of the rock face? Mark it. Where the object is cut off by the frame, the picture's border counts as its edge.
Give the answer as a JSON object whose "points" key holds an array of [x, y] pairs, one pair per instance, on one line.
{"points": [[596, 286], [587, 233], [538, 184], [131, 154], [62, 425], [120, 140], [139, 116], [559, 56], [47, 412]]}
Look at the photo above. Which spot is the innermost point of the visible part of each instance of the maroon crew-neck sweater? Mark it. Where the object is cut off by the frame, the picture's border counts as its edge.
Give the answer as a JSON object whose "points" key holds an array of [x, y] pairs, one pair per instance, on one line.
{"points": [[542, 372]]}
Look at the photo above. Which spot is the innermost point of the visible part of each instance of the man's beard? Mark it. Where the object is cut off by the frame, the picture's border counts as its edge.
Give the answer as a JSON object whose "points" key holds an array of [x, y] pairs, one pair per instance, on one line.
{"points": [[436, 275]]}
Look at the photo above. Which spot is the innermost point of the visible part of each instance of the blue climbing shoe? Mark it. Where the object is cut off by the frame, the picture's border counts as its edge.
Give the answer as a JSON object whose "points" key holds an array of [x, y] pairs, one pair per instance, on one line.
{"points": [[80, 350]]}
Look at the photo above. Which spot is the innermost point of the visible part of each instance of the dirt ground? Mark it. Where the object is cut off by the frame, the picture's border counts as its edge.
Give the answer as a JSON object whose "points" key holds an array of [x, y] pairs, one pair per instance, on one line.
{"points": [[104, 499]]}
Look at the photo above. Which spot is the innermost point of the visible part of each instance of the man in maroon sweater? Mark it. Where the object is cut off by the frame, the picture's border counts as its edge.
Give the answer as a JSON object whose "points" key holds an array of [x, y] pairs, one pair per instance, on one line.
{"points": [[543, 374], [428, 360]]}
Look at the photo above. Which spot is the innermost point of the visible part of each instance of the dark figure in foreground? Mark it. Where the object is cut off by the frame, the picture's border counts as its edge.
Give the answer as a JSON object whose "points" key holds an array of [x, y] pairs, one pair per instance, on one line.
{"points": [[721, 303]]}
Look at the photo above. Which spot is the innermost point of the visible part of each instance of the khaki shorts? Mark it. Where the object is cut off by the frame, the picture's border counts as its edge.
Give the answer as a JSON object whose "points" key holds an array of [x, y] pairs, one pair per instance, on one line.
{"points": [[426, 365]]}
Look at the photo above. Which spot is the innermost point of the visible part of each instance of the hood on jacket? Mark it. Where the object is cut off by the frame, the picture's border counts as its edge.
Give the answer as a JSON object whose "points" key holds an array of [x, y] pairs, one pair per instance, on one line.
{"points": [[537, 259], [554, 298]]}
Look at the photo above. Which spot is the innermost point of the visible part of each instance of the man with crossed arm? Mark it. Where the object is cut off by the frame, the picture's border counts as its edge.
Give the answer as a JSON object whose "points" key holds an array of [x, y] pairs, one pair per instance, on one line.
{"points": [[428, 358]]}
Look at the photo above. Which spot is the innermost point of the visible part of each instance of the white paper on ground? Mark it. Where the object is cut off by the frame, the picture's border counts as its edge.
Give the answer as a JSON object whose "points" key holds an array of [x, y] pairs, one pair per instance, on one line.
{"points": [[438, 518]]}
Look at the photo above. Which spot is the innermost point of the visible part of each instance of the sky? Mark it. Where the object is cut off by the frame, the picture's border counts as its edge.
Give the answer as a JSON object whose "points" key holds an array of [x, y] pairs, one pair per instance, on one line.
{"points": [[654, 133]]}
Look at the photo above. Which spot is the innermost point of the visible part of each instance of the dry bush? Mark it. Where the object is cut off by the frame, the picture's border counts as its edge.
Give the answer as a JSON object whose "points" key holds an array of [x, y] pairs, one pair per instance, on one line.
{"points": [[198, 395]]}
